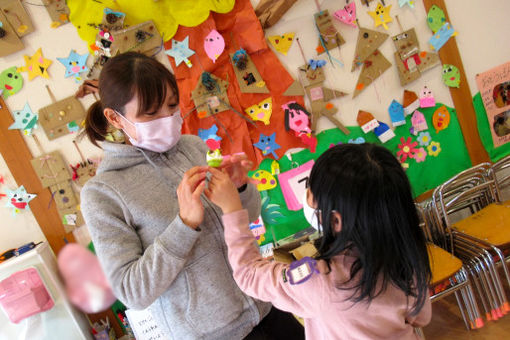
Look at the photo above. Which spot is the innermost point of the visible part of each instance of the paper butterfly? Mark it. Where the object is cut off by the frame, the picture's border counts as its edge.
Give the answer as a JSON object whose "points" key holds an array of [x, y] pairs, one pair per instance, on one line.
{"points": [[314, 64]]}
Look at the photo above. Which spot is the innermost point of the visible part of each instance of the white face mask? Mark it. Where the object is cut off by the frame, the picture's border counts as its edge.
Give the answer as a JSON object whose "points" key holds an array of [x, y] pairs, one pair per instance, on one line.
{"points": [[158, 135], [311, 214]]}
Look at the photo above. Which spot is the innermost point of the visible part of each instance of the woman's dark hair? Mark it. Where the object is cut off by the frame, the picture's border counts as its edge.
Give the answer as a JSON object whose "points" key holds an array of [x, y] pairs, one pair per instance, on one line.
{"points": [[367, 186], [123, 77]]}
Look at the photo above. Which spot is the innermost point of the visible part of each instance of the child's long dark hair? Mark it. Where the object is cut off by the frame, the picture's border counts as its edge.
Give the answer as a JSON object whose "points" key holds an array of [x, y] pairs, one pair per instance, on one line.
{"points": [[367, 186]]}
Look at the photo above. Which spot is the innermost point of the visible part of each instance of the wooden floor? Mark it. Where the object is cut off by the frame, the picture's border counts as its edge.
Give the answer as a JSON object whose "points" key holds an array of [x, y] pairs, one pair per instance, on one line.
{"points": [[447, 324]]}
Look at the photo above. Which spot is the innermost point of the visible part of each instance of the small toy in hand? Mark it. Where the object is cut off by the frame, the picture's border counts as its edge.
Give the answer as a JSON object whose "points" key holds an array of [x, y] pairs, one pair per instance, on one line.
{"points": [[214, 158]]}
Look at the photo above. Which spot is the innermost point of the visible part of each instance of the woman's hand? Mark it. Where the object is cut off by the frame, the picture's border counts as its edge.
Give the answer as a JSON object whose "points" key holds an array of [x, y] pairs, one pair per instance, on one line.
{"points": [[88, 86], [191, 209], [237, 167], [223, 192]]}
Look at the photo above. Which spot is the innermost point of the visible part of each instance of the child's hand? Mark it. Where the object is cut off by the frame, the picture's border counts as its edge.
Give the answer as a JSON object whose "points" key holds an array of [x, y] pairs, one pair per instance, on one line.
{"points": [[223, 192]]}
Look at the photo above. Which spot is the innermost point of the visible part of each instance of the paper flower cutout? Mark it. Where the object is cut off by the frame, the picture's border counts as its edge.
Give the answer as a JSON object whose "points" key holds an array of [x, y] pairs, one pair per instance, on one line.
{"points": [[24, 120], [420, 155], [267, 144], [214, 44], [347, 15], [402, 3], [19, 199], [261, 111], [407, 148], [180, 51], [434, 149], [11, 81], [451, 75], [424, 138], [75, 64], [282, 43], [36, 65], [381, 15]]}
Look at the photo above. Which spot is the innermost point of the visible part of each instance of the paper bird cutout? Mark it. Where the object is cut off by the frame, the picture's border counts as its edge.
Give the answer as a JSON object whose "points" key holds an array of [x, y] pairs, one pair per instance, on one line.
{"points": [[402, 3], [267, 144], [181, 52], [261, 111], [36, 65], [214, 45], [381, 15], [282, 43], [368, 42], [24, 120], [19, 199], [442, 36], [75, 64], [347, 15], [11, 81], [435, 18], [451, 75]]}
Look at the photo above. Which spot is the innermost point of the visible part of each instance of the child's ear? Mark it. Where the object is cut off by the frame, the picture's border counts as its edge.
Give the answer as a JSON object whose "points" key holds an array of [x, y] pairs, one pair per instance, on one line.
{"points": [[336, 221]]}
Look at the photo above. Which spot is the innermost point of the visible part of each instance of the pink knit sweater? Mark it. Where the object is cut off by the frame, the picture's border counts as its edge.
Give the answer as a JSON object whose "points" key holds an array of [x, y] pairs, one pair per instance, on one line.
{"points": [[327, 313]]}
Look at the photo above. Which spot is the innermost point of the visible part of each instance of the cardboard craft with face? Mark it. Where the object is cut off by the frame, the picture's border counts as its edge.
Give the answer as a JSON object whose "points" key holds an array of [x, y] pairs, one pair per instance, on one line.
{"points": [[64, 195], [10, 42], [83, 171], [143, 38], [51, 169], [373, 67], [58, 11], [63, 117], [17, 17], [112, 20], [248, 77], [368, 42], [71, 218], [213, 100], [329, 35]]}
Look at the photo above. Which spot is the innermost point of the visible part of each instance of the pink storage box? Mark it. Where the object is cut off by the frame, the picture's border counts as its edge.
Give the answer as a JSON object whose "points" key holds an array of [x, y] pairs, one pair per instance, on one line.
{"points": [[23, 294]]}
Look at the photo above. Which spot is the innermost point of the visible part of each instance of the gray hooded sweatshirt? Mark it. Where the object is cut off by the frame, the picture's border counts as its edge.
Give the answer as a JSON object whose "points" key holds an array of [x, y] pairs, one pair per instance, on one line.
{"points": [[151, 258]]}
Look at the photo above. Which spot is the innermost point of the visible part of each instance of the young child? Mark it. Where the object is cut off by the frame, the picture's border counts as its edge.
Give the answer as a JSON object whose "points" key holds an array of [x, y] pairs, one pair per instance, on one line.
{"points": [[370, 280]]}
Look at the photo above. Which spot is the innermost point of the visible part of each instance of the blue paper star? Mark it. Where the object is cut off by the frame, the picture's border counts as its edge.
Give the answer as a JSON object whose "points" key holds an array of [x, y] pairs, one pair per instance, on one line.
{"points": [[210, 133], [181, 52], [24, 120], [268, 144], [75, 64], [18, 199]]}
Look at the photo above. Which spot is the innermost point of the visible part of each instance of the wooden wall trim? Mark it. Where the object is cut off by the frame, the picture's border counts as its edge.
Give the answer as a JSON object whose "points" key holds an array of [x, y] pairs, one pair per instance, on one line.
{"points": [[462, 98], [17, 156]]}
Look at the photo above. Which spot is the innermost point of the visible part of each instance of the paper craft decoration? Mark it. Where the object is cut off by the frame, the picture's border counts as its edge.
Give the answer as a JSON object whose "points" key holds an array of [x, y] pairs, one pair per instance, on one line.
{"points": [[396, 113], [366, 121], [214, 44], [275, 167], [424, 138], [359, 140], [383, 132], [269, 11], [17, 16], [9, 40], [214, 158], [441, 37], [381, 15], [368, 42], [261, 111], [36, 65], [329, 37], [51, 169], [142, 38], [180, 51], [434, 149], [62, 117], [410, 102], [420, 155], [18, 199], [83, 171], [373, 67], [451, 75], [406, 148], [435, 18], [295, 89], [24, 120], [441, 118], [63, 195], [419, 123], [411, 63], [210, 137], [58, 11], [247, 75], [313, 82], [11, 81], [316, 63], [112, 20], [265, 180], [402, 3], [427, 98], [494, 86], [282, 43], [293, 185], [71, 218], [297, 119], [210, 95], [268, 145], [347, 15], [75, 64]]}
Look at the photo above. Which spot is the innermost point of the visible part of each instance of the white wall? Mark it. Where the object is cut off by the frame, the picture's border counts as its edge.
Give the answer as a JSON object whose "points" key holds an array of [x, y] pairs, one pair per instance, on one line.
{"points": [[482, 41]]}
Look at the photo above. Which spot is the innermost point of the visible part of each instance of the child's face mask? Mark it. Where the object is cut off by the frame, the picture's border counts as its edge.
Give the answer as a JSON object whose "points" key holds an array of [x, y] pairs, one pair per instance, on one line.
{"points": [[158, 135], [311, 214]]}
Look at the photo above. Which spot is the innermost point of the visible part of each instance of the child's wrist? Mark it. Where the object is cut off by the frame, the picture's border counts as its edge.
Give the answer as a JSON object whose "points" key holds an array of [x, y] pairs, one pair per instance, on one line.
{"points": [[232, 208]]}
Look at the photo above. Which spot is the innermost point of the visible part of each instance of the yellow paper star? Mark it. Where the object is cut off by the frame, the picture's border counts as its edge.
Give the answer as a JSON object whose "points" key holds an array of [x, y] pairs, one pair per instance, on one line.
{"points": [[36, 65], [381, 15]]}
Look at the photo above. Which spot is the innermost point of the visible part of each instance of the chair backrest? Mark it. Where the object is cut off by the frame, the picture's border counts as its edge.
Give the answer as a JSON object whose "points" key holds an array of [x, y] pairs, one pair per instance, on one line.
{"points": [[500, 172]]}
